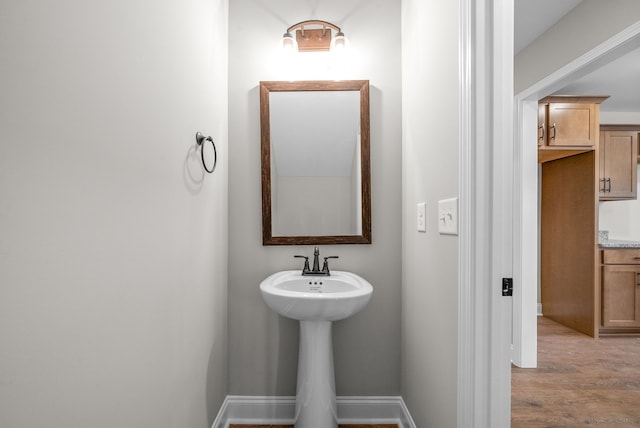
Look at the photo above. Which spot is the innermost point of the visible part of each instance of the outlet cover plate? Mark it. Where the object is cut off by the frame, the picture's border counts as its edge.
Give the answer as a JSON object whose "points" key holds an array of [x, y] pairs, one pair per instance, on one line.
{"points": [[448, 216]]}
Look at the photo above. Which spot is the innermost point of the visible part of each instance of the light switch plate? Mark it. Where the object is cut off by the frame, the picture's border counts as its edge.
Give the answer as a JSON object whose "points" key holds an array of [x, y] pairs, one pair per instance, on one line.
{"points": [[421, 215], [448, 216]]}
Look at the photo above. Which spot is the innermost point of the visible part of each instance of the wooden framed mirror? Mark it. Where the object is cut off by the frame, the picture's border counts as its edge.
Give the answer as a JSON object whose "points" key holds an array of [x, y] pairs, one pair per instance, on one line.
{"points": [[315, 154]]}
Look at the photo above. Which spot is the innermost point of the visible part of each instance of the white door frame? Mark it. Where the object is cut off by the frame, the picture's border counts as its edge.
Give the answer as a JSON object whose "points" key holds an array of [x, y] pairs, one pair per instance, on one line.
{"points": [[525, 198], [498, 226], [485, 241]]}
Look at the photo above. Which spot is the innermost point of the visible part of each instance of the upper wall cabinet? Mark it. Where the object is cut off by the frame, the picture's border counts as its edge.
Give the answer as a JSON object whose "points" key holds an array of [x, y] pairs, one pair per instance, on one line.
{"points": [[567, 125], [618, 162]]}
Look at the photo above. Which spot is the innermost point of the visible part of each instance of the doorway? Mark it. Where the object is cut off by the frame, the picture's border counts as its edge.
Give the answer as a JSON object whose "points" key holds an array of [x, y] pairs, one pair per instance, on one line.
{"points": [[526, 228]]}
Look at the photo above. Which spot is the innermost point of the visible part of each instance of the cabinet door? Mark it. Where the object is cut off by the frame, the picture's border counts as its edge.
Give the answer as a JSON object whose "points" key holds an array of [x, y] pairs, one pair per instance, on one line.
{"points": [[542, 124], [618, 165], [572, 124], [621, 296], [603, 183]]}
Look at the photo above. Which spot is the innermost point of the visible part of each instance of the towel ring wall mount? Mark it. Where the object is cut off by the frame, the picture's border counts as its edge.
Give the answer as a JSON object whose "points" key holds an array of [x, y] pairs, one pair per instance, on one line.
{"points": [[201, 140]]}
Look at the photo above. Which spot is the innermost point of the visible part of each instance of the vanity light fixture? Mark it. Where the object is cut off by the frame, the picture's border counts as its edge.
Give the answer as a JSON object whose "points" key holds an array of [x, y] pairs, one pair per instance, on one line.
{"points": [[314, 39]]}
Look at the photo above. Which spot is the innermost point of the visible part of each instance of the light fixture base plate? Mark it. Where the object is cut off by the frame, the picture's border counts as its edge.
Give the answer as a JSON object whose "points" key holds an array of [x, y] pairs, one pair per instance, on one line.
{"points": [[314, 40]]}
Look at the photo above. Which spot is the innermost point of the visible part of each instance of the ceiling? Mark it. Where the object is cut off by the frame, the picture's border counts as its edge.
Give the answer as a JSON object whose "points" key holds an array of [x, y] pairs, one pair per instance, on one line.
{"points": [[619, 79]]}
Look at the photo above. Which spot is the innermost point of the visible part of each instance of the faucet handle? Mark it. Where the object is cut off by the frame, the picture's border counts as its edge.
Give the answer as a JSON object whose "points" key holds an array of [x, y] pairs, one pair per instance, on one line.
{"points": [[306, 263], [325, 267]]}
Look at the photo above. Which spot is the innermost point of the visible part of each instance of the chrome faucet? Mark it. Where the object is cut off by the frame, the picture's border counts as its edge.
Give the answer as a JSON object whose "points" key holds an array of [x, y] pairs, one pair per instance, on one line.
{"points": [[316, 264]]}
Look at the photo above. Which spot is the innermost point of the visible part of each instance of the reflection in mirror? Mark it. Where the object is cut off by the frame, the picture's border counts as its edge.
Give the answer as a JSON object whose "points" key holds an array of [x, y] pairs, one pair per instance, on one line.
{"points": [[315, 186], [315, 162]]}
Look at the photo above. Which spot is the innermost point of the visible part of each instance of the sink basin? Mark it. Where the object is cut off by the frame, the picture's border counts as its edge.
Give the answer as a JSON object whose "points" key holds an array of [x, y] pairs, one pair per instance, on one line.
{"points": [[316, 298], [316, 301]]}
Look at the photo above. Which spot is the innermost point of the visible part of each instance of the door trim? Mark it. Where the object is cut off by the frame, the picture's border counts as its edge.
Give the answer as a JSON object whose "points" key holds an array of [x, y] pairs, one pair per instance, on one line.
{"points": [[486, 120]]}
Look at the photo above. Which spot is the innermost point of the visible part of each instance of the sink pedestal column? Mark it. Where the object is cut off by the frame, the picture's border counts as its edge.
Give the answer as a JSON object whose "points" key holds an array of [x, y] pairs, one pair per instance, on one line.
{"points": [[316, 391]]}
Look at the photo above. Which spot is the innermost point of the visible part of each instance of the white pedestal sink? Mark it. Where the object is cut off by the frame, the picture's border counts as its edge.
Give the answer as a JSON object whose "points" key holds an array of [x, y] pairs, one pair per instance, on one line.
{"points": [[316, 301]]}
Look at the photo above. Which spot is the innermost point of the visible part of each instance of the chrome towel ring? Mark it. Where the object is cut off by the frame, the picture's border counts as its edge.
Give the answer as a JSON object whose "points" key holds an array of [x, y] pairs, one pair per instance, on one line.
{"points": [[201, 139]]}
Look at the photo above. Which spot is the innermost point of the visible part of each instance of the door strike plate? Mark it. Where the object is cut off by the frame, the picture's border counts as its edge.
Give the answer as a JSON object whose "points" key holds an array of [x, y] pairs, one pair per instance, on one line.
{"points": [[507, 286]]}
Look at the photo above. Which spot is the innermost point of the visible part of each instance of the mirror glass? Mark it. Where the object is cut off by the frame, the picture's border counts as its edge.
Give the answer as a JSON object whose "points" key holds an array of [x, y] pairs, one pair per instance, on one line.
{"points": [[315, 162]]}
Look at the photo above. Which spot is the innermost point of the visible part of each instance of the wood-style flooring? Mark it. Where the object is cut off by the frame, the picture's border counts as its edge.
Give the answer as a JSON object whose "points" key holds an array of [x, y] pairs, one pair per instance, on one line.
{"points": [[579, 382]]}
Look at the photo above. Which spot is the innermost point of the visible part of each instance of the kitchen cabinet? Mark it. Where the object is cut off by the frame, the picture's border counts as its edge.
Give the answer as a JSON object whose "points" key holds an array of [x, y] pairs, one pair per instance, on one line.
{"points": [[571, 124], [618, 164], [567, 125], [620, 291]]}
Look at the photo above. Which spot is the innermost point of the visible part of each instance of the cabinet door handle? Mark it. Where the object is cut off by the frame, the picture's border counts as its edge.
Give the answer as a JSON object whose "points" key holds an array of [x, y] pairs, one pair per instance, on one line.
{"points": [[541, 133], [553, 137], [609, 188], [604, 186]]}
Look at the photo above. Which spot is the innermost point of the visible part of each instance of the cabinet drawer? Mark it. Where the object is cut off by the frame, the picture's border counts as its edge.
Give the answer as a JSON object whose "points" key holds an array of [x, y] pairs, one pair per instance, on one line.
{"points": [[621, 257]]}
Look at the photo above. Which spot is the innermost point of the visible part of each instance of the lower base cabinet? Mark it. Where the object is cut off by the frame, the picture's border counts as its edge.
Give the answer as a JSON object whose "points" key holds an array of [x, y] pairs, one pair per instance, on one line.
{"points": [[621, 291]]}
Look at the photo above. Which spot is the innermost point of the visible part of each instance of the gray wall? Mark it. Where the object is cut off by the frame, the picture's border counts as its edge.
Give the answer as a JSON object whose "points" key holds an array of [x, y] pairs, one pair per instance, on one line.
{"points": [[262, 345], [588, 25], [113, 247], [430, 172]]}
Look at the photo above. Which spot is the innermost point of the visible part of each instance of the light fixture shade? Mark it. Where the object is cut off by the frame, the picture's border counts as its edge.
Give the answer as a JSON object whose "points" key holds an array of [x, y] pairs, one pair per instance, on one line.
{"points": [[339, 41], [288, 42]]}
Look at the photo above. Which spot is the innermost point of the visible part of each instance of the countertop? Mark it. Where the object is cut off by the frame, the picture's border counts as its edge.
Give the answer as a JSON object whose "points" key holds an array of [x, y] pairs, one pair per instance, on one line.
{"points": [[618, 243]]}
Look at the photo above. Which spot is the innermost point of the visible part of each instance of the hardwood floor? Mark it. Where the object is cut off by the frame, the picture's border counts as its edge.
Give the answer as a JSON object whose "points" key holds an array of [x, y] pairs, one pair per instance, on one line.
{"points": [[580, 381]]}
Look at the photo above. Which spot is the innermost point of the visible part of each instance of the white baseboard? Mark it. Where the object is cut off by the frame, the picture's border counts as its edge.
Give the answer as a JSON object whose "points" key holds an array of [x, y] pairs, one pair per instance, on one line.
{"points": [[238, 409]]}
